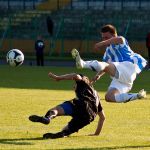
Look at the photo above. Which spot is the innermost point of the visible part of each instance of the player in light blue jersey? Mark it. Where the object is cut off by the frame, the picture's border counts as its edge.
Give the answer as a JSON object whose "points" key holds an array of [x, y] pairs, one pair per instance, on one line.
{"points": [[119, 61]]}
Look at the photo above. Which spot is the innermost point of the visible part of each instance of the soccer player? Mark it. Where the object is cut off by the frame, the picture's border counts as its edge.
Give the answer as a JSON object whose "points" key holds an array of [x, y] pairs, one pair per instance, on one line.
{"points": [[119, 61], [83, 108]]}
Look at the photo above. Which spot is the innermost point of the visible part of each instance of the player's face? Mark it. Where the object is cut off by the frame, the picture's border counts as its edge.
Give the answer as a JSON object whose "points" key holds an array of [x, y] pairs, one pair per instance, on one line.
{"points": [[106, 36]]}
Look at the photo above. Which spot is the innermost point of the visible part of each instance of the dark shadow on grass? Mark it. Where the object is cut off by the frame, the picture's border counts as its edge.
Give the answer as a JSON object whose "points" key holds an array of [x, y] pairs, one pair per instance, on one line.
{"points": [[19, 141], [113, 148]]}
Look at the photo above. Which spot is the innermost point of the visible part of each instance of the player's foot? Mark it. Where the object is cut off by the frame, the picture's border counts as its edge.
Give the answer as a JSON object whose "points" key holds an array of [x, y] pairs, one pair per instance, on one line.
{"points": [[141, 94], [35, 118], [79, 62], [53, 135]]}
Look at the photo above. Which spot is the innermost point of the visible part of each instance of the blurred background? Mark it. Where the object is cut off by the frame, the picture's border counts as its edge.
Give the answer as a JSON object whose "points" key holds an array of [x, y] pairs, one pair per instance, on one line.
{"points": [[67, 24]]}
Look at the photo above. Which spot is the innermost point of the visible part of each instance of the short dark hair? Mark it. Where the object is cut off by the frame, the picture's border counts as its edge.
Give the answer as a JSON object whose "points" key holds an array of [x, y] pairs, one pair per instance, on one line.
{"points": [[109, 28], [85, 78]]}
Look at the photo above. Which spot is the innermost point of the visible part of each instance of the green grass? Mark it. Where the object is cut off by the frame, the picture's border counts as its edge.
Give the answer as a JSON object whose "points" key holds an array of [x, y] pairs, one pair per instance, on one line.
{"points": [[28, 90]]}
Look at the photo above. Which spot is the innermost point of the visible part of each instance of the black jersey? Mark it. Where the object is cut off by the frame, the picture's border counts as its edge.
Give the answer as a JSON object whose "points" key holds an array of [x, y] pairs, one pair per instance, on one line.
{"points": [[86, 106], [39, 47], [87, 94]]}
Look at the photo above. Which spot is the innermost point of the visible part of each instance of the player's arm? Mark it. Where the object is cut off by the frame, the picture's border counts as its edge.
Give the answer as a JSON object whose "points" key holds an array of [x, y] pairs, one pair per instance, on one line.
{"points": [[100, 122], [113, 40], [97, 76], [71, 76]]}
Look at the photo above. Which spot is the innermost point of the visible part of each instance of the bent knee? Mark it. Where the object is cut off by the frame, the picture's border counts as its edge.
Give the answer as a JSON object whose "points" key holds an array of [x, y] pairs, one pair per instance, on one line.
{"points": [[107, 98], [110, 98]]}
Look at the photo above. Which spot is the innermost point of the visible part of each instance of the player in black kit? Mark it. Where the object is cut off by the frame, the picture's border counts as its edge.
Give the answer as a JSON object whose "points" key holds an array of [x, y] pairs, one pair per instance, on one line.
{"points": [[39, 48], [83, 109]]}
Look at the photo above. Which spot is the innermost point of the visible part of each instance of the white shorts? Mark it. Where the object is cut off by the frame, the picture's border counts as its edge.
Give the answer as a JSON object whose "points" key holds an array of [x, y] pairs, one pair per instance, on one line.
{"points": [[127, 74]]}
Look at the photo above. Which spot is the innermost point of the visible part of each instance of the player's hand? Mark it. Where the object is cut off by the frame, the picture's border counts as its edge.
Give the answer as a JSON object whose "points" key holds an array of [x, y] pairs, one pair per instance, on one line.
{"points": [[92, 82], [53, 76], [97, 77]]}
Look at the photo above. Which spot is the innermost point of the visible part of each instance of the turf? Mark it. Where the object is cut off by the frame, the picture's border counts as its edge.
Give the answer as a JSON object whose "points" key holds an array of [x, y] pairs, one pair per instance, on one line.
{"points": [[28, 90]]}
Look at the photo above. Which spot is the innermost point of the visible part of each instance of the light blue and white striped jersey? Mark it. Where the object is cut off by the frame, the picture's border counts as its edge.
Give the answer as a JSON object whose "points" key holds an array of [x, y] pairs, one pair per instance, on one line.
{"points": [[123, 52]]}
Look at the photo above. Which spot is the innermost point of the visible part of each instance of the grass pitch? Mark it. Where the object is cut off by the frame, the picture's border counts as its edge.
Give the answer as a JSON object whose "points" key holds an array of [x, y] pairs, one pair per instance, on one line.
{"points": [[28, 90]]}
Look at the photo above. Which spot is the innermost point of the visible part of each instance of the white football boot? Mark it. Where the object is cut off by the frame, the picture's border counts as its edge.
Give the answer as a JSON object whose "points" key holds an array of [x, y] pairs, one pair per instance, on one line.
{"points": [[79, 62], [141, 94]]}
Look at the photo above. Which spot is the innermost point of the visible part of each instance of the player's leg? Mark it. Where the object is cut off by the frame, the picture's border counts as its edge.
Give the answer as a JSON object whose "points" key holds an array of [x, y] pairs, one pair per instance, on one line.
{"points": [[42, 60], [122, 83], [54, 135], [118, 93], [65, 108], [126, 97], [52, 113], [56, 111], [110, 95], [93, 64], [40, 119], [38, 60], [65, 132], [73, 126]]}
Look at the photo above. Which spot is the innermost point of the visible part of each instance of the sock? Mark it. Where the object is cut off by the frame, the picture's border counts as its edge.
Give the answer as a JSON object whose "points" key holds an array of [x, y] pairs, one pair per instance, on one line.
{"points": [[94, 65], [126, 97], [50, 114]]}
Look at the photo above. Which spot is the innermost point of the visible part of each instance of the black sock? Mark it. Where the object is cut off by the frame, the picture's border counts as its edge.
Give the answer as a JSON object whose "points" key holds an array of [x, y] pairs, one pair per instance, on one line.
{"points": [[50, 114]]}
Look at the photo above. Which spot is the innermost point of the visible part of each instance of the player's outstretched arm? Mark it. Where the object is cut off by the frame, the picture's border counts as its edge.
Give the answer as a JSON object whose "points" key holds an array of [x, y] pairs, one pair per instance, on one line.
{"points": [[100, 122], [71, 76], [97, 76], [113, 40]]}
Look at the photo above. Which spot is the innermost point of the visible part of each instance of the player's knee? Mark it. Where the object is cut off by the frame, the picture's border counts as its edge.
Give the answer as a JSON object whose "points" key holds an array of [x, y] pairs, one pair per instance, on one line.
{"points": [[109, 97]]}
